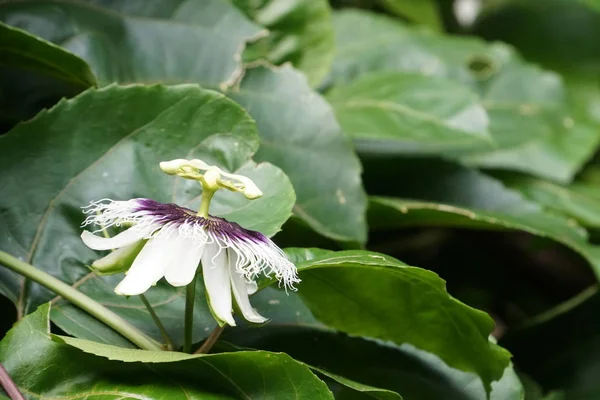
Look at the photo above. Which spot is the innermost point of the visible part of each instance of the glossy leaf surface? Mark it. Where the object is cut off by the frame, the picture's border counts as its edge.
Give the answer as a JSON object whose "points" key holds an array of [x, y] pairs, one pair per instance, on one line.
{"points": [[530, 120], [387, 300], [118, 158], [35, 74], [41, 363], [299, 134]]}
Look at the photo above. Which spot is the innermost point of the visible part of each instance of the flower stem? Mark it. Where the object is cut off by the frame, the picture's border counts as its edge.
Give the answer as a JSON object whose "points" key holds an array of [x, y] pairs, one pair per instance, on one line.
{"points": [[210, 340], [207, 195], [159, 325], [9, 385], [82, 301], [190, 296]]}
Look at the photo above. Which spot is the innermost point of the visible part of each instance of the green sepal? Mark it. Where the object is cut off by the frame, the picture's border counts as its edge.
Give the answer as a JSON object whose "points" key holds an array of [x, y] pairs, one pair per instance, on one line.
{"points": [[119, 260]]}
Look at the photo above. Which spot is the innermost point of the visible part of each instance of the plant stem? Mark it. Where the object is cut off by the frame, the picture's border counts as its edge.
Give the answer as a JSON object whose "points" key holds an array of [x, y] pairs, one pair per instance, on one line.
{"points": [[9, 385], [82, 301], [190, 296], [161, 327], [210, 340], [207, 195]]}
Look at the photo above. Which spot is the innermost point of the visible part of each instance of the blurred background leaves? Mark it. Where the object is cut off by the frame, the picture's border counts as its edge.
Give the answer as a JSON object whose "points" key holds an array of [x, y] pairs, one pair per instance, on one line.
{"points": [[460, 137]]}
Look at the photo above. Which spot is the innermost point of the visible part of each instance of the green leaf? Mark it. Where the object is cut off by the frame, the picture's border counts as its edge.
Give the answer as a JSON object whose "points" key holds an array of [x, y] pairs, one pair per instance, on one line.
{"points": [[530, 121], [346, 389], [447, 194], [595, 4], [194, 41], [290, 115], [265, 215], [397, 112], [128, 355], [579, 200], [384, 299], [413, 373], [572, 48], [35, 74], [300, 135], [41, 363], [118, 158], [287, 310], [300, 31], [572, 332], [422, 11]]}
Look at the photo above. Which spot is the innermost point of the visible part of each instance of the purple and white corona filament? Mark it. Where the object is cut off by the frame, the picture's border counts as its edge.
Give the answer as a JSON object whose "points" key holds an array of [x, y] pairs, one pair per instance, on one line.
{"points": [[176, 240]]}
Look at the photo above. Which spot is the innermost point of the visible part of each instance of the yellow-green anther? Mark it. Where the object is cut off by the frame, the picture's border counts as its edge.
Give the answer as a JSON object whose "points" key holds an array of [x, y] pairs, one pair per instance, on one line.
{"points": [[211, 177], [244, 185], [172, 167]]}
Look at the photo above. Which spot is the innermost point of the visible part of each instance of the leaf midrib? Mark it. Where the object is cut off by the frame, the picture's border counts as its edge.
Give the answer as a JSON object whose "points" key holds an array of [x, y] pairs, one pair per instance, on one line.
{"points": [[402, 109]]}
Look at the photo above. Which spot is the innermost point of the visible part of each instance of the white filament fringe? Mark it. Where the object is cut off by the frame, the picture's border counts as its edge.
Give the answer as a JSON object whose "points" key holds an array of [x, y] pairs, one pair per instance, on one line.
{"points": [[254, 257]]}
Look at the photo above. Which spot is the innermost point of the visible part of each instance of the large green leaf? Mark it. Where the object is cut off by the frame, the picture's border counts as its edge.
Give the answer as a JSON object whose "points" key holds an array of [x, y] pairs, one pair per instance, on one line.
{"points": [[185, 41], [301, 32], [570, 29], [579, 200], [413, 373], [529, 116], [447, 194], [595, 4], [290, 115], [287, 311], [561, 349], [42, 365], [384, 299], [422, 11], [404, 369], [346, 389], [350, 388], [35, 74], [300, 135], [59, 161], [398, 112]]}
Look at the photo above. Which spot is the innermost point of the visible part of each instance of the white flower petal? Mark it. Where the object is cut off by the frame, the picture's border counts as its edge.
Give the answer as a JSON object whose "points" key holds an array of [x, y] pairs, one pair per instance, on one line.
{"points": [[240, 288], [149, 266], [217, 283], [251, 287], [182, 268], [123, 239]]}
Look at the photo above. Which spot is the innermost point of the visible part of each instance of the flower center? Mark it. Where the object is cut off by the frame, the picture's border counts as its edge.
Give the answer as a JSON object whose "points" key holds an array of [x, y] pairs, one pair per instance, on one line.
{"points": [[212, 179]]}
